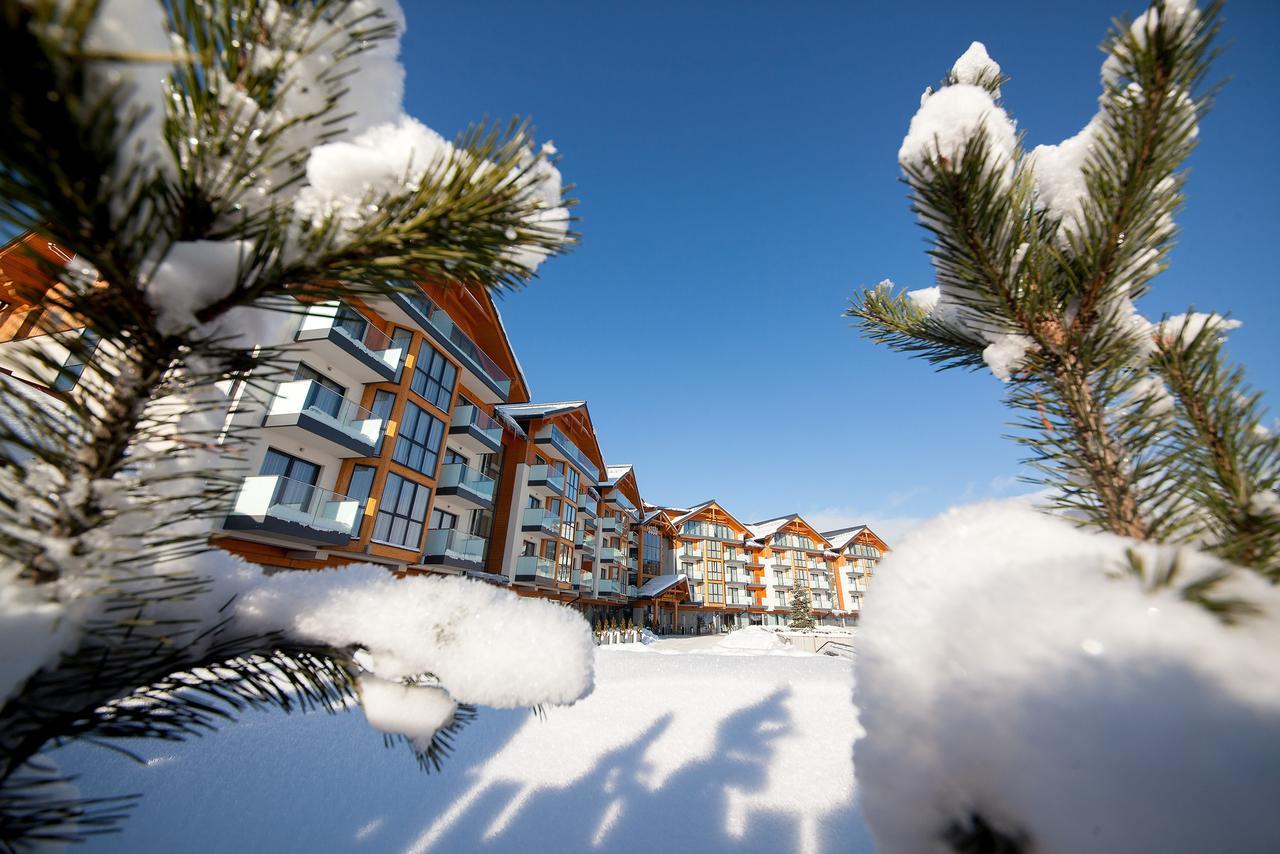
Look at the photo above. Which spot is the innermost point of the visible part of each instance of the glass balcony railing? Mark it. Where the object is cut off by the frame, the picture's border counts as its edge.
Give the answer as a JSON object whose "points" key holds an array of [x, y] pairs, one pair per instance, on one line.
{"points": [[585, 541], [350, 331], [437, 321], [608, 555], [264, 498], [610, 585], [545, 475], [608, 525], [474, 420], [587, 502], [585, 580], [540, 519], [446, 543], [308, 397], [459, 479], [554, 436], [613, 496], [532, 566]]}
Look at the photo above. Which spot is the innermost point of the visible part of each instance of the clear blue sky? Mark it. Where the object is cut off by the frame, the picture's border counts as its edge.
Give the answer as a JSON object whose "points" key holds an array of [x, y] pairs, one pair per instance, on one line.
{"points": [[736, 167]]}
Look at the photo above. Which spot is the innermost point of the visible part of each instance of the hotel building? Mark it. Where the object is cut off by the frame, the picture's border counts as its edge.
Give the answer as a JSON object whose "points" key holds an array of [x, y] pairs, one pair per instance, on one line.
{"points": [[401, 431]]}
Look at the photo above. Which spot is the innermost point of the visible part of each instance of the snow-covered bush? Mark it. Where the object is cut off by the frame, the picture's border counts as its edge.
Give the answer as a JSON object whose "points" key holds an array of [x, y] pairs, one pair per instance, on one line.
{"points": [[1102, 680], [204, 162]]}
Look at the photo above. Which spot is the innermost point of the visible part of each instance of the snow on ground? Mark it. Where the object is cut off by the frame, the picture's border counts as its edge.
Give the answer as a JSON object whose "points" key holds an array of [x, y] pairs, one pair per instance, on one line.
{"points": [[684, 746]]}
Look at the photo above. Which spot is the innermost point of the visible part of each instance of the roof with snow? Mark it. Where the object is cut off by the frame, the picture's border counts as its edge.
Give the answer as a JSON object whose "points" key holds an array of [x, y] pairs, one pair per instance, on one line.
{"points": [[539, 410], [841, 537], [613, 474], [660, 584], [760, 530]]}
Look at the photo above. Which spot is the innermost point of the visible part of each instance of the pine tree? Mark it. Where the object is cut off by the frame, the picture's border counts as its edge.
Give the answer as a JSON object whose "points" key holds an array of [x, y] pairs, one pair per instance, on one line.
{"points": [[1140, 429], [801, 610], [173, 151]]}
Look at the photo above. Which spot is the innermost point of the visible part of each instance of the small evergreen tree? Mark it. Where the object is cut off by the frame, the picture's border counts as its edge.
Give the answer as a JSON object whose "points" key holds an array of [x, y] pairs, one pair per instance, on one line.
{"points": [[1141, 429], [801, 610], [197, 160]]}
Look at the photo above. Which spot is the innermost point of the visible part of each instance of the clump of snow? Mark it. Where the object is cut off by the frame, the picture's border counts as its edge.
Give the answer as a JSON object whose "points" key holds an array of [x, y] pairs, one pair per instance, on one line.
{"points": [[486, 645], [191, 276], [755, 638], [1186, 328], [35, 629], [1005, 353], [415, 711], [925, 299], [1152, 390], [1010, 668], [975, 67], [1058, 171], [1177, 13], [947, 122]]}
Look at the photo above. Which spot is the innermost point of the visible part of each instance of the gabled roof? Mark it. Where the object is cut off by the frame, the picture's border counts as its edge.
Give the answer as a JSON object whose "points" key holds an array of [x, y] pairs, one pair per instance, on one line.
{"points": [[698, 508], [841, 537], [660, 584], [613, 474], [539, 410], [760, 530]]}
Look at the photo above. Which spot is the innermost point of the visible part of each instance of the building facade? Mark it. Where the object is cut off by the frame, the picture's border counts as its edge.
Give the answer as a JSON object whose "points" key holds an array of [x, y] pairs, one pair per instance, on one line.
{"points": [[401, 431]]}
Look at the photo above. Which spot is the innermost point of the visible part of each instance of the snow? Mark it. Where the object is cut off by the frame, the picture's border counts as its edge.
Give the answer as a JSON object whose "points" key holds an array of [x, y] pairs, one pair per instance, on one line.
{"points": [[1005, 353], [925, 299], [485, 644], [949, 119], [309, 519], [755, 639], [191, 276], [974, 65], [1185, 328], [678, 747], [1058, 171], [1009, 667], [417, 711]]}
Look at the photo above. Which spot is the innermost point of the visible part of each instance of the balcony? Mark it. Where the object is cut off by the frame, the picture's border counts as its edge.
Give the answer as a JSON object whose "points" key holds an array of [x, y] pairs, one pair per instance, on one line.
{"points": [[632, 591], [552, 436], [616, 498], [466, 484], [608, 555], [453, 548], [474, 427], [633, 564], [735, 558], [310, 414], [756, 561], [609, 586], [608, 525], [344, 337], [540, 520], [490, 381], [293, 510], [534, 568], [584, 581], [545, 477], [588, 502], [585, 542], [782, 585], [737, 579]]}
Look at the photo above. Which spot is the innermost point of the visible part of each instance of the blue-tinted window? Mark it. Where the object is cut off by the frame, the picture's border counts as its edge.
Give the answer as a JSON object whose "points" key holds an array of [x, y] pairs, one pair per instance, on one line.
{"points": [[401, 512], [418, 442], [434, 376]]}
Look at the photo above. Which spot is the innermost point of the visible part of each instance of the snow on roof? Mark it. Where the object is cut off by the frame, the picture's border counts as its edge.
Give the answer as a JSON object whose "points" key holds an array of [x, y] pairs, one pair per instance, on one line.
{"points": [[841, 537], [760, 530], [539, 410], [658, 585], [613, 474], [685, 514]]}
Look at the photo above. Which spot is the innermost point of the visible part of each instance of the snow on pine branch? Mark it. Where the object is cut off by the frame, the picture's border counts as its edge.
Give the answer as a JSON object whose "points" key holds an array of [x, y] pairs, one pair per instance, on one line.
{"points": [[1011, 668]]}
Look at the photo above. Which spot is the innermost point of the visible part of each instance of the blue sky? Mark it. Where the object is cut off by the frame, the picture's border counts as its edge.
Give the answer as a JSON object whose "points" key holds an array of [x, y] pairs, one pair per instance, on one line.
{"points": [[735, 163]]}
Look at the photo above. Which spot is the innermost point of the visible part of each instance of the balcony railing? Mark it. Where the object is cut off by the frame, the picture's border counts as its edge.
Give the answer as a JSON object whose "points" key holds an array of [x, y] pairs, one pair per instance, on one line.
{"points": [[475, 422], [608, 525], [294, 509], [554, 436], [608, 555], [610, 585], [465, 482], [613, 496], [545, 475], [587, 502], [322, 413], [532, 566], [451, 546], [436, 321], [585, 541], [344, 328], [540, 519]]}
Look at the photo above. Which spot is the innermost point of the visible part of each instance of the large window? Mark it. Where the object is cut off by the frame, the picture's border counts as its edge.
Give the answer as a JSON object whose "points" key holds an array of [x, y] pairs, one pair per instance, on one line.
{"points": [[418, 445], [434, 376], [401, 512], [359, 486], [401, 339], [324, 394], [571, 484]]}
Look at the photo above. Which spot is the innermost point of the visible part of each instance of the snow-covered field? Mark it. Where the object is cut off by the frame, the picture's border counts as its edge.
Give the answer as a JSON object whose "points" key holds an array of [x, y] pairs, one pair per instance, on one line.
{"points": [[685, 745]]}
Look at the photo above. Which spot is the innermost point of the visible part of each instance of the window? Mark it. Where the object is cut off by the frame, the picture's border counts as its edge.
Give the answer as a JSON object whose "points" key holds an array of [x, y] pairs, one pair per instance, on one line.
{"points": [[715, 548], [452, 456], [285, 465], [549, 549], [401, 512], [359, 486], [686, 568], [383, 403], [443, 520], [434, 376], [418, 445], [529, 549], [351, 322], [324, 394], [571, 484], [73, 367], [401, 339]]}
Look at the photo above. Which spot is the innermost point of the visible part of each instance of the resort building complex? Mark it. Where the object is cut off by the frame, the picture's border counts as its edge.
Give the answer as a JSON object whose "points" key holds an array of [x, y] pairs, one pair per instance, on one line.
{"points": [[401, 431]]}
